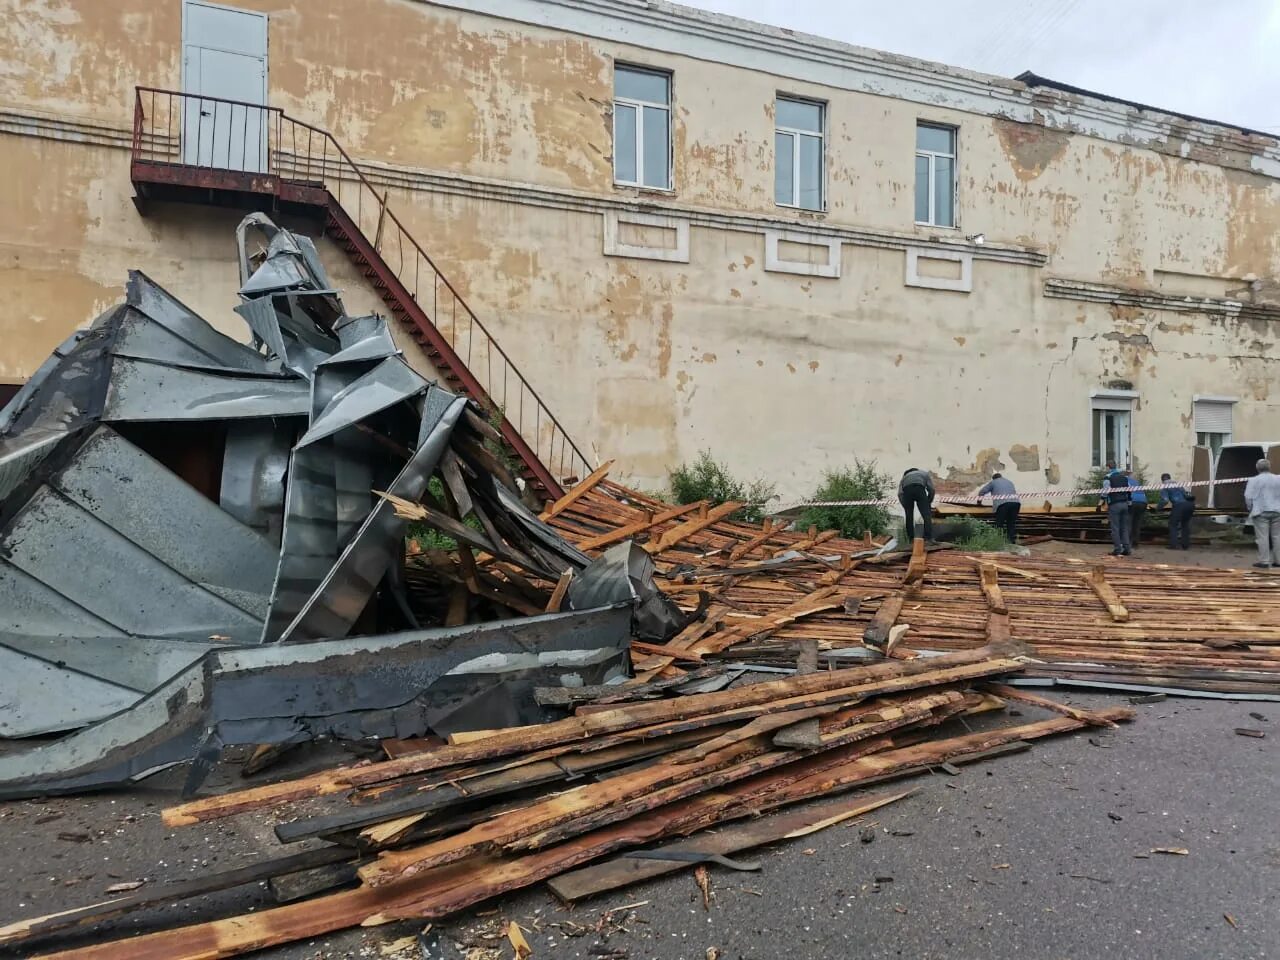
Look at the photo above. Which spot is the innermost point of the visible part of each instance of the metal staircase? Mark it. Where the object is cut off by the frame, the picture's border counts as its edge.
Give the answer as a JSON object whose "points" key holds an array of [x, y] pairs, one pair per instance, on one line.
{"points": [[196, 149]]}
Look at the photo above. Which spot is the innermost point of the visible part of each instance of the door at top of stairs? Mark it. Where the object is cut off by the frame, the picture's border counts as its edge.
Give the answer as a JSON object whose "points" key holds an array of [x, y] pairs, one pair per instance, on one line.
{"points": [[224, 56]]}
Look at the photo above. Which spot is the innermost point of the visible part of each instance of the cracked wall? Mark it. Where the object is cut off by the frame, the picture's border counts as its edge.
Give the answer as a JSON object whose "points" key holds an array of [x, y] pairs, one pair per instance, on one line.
{"points": [[651, 361]]}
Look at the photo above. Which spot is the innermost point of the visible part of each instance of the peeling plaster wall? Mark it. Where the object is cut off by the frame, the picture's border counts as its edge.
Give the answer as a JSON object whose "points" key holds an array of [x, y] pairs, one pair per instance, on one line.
{"points": [[650, 361]]}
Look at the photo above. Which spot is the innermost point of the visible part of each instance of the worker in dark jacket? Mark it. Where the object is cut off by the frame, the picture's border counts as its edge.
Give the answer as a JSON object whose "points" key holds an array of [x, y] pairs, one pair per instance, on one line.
{"points": [[1137, 510], [1115, 497], [1004, 501], [915, 492], [1181, 505]]}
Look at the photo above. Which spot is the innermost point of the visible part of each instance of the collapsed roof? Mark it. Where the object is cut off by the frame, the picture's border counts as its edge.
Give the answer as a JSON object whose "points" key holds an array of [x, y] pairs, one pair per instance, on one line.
{"points": [[192, 552]]}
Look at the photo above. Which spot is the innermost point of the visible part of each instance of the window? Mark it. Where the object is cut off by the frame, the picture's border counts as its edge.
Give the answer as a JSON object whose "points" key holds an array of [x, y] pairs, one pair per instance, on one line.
{"points": [[1110, 437], [642, 127], [935, 175], [798, 167], [1112, 416], [1212, 419]]}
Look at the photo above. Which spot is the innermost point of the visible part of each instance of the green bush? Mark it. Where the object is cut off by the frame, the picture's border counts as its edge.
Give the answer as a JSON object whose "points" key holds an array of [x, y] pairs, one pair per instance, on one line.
{"points": [[862, 482], [977, 536], [705, 479]]}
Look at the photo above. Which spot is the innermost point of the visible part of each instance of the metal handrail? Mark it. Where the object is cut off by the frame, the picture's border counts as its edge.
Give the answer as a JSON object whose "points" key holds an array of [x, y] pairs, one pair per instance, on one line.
{"points": [[311, 155]]}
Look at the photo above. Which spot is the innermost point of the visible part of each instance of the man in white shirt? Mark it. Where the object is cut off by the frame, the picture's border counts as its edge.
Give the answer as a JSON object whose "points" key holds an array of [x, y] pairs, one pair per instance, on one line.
{"points": [[1262, 497]]}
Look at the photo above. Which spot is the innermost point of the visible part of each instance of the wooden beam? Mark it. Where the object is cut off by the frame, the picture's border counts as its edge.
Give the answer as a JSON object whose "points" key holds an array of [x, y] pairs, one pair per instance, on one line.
{"points": [[1007, 692], [578, 492], [631, 530], [919, 560], [989, 578], [627, 870], [872, 680], [877, 632], [690, 527], [746, 546], [557, 595], [1097, 579], [822, 599]]}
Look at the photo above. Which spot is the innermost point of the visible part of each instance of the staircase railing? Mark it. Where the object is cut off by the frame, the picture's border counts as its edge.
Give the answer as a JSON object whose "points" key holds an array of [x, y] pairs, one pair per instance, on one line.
{"points": [[220, 136]]}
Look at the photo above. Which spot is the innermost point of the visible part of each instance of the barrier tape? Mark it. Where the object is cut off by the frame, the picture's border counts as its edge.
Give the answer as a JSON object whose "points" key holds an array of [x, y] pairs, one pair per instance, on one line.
{"points": [[1035, 495]]}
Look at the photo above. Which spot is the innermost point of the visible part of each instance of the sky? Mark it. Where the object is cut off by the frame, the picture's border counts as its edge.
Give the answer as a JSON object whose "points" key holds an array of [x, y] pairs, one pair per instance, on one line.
{"points": [[1218, 59]]}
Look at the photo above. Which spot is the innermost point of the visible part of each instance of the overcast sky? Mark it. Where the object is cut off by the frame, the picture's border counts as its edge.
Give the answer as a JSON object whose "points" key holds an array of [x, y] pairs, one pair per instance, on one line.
{"points": [[1218, 59]]}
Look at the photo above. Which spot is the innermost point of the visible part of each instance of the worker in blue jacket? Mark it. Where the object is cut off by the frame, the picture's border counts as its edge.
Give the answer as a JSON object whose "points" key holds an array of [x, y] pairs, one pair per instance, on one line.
{"points": [[1181, 505], [1137, 510], [1115, 497]]}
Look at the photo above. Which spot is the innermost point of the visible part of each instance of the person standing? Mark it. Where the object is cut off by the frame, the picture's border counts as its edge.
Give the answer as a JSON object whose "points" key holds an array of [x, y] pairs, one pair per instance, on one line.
{"points": [[1137, 510], [1262, 497], [915, 492], [1115, 496], [1004, 501], [1181, 505]]}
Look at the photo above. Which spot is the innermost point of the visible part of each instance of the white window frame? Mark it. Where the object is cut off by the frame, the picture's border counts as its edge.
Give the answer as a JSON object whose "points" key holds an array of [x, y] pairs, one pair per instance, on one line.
{"points": [[932, 156], [795, 133], [639, 106], [1111, 403]]}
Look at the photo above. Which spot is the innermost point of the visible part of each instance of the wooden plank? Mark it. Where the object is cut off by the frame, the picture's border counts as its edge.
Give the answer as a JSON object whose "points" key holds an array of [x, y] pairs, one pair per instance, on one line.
{"points": [[872, 680], [746, 546], [998, 628], [877, 631], [687, 529], [557, 595], [438, 893], [170, 893], [919, 561], [1007, 692], [822, 599], [844, 695], [631, 530], [577, 493], [989, 579], [665, 650], [1097, 579], [625, 870]]}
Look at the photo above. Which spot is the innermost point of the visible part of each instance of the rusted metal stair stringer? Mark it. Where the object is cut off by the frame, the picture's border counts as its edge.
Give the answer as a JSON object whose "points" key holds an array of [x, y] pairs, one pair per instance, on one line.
{"points": [[408, 311]]}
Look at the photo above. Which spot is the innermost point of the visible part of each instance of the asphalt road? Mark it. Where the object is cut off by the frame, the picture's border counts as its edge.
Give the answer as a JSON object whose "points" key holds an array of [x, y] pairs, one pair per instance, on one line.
{"points": [[1045, 854]]}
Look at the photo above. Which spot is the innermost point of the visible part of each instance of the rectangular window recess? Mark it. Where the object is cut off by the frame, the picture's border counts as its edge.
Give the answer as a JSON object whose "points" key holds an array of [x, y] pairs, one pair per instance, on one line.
{"points": [[645, 236], [789, 251]]}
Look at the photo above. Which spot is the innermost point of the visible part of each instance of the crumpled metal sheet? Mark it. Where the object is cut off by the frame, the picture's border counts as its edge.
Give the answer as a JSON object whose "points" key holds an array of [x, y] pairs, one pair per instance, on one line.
{"points": [[348, 585], [18, 402], [392, 381], [627, 570], [380, 686], [174, 503]]}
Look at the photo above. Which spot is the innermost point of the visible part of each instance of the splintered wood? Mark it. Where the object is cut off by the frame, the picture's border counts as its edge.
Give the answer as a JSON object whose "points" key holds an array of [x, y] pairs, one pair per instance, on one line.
{"points": [[882, 656], [1145, 625], [435, 831]]}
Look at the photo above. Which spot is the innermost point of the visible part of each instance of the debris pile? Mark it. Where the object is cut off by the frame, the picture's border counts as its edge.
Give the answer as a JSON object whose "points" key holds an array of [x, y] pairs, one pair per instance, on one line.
{"points": [[205, 543], [192, 554], [444, 827], [1189, 630]]}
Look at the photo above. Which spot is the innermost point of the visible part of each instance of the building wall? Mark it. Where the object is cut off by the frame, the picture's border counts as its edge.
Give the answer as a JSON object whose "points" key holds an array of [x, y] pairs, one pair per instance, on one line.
{"points": [[493, 137]]}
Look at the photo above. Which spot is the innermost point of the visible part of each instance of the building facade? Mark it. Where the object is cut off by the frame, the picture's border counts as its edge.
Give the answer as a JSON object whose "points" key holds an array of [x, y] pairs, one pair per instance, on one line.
{"points": [[693, 232]]}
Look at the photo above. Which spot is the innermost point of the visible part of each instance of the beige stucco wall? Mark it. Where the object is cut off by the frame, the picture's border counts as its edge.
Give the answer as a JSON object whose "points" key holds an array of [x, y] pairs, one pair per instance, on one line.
{"points": [[646, 361]]}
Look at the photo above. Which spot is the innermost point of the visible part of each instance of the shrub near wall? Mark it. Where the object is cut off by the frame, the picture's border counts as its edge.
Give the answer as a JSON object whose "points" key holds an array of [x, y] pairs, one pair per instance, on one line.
{"points": [[707, 479], [860, 482]]}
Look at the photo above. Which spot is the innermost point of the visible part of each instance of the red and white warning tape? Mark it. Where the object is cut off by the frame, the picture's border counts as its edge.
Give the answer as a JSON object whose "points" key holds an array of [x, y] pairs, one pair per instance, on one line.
{"points": [[1034, 495]]}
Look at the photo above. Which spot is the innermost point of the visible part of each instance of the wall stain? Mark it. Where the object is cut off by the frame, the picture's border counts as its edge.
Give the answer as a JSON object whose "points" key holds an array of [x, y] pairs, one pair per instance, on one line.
{"points": [[1025, 458], [1030, 148]]}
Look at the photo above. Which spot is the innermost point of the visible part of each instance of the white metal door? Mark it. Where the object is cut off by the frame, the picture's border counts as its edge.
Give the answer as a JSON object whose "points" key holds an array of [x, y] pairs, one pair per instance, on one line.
{"points": [[224, 56]]}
